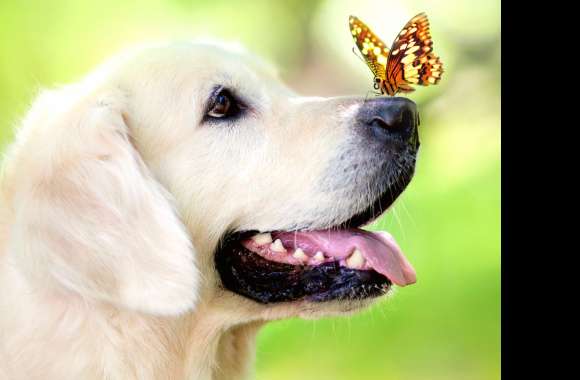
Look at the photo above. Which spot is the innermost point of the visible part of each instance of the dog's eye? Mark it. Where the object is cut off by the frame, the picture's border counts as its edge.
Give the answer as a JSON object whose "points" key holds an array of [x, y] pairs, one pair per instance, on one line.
{"points": [[223, 105]]}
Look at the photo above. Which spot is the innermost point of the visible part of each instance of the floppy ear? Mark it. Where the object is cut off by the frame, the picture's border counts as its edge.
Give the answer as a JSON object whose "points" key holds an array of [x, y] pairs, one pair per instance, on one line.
{"points": [[89, 216]]}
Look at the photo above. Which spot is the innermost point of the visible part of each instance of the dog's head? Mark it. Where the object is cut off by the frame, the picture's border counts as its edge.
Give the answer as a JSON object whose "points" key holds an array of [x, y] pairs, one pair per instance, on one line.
{"points": [[276, 184], [224, 185]]}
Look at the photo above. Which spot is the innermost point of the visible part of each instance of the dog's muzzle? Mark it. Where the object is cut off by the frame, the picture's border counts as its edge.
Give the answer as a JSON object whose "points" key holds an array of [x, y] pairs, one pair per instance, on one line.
{"points": [[340, 261]]}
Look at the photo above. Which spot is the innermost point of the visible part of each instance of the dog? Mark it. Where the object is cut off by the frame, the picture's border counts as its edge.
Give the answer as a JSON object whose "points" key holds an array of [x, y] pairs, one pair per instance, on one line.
{"points": [[157, 213]]}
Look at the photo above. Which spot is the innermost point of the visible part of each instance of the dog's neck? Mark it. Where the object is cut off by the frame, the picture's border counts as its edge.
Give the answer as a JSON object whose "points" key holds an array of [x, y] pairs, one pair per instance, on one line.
{"points": [[213, 349], [234, 354], [195, 346], [214, 342]]}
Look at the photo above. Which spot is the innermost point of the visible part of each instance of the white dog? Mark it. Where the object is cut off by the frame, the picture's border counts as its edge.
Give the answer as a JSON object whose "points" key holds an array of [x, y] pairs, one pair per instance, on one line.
{"points": [[156, 214]]}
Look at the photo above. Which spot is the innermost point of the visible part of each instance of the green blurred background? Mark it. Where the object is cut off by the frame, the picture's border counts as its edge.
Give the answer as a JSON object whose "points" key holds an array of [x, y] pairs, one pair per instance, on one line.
{"points": [[448, 221]]}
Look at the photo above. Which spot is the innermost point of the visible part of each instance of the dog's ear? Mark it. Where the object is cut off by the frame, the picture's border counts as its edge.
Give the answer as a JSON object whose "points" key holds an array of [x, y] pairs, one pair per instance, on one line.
{"points": [[89, 217]]}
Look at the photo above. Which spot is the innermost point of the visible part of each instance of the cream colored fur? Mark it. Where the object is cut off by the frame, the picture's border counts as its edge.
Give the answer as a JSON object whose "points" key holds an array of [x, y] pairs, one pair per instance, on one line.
{"points": [[114, 196]]}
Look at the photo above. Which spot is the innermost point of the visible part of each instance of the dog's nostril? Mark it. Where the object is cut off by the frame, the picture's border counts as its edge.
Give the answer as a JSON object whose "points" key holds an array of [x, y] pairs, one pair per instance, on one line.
{"points": [[390, 118], [379, 122], [394, 121], [407, 118]]}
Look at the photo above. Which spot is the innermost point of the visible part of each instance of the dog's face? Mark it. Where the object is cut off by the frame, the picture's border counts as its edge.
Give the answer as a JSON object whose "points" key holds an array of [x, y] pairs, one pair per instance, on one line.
{"points": [[273, 186]]}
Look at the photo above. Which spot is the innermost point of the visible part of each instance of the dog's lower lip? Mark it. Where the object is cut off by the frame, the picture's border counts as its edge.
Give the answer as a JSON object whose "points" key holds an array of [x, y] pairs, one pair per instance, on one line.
{"points": [[265, 281]]}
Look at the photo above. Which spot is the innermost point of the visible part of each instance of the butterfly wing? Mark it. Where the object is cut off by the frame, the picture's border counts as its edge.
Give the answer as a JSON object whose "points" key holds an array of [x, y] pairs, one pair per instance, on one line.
{"points": [[430, 71], [374, 51], [411, 59]]}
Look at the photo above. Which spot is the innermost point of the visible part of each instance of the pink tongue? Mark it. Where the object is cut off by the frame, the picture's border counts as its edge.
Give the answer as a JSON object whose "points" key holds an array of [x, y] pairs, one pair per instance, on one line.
{"points": [[380, 250]]}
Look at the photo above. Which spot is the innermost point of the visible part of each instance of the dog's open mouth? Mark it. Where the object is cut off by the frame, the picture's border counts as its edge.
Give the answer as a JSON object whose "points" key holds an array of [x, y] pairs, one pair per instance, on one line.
{"points": [[343, 262], [351, 248]]}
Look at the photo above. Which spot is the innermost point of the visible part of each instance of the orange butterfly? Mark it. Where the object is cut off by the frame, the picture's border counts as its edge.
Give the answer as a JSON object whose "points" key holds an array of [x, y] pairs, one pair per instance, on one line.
{"points": [[410, 61]]}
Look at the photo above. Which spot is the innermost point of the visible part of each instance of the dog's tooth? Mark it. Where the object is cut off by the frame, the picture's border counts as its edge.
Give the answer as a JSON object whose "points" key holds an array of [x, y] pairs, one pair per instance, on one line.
{"points": [[262, 239], [318, 256], [277, 246], [299, 255], [355, 260]]}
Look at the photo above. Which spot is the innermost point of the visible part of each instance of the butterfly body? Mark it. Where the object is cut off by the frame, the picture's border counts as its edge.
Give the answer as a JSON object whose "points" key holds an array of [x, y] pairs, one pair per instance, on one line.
{"points": [[410, 60]]}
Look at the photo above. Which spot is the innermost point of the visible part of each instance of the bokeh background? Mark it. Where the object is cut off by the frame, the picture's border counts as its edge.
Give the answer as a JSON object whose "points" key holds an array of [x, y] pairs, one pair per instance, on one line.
{"points": [[447, 326]]}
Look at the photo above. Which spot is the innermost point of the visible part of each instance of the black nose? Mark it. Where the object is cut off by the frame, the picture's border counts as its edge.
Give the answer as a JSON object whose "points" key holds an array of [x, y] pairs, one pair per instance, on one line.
{"points": [[390, 119]]}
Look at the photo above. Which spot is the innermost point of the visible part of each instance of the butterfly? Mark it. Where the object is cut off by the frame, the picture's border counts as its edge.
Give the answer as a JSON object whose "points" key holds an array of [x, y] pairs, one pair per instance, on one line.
{"points": [[410, 61]]}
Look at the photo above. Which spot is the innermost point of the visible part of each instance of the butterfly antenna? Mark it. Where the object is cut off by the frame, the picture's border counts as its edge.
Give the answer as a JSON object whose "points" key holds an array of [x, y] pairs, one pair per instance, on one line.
{"points": [[354, 51]]}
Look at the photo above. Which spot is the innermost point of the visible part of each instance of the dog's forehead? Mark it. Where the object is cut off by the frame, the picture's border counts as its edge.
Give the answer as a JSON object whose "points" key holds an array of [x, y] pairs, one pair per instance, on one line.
{"points": [[235, 56], [204, 65], [233, 67]]}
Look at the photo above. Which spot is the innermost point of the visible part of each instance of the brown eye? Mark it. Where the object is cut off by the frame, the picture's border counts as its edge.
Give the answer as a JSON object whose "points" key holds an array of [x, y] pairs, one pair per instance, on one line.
{"points": [[224, 106], [221, 105]]}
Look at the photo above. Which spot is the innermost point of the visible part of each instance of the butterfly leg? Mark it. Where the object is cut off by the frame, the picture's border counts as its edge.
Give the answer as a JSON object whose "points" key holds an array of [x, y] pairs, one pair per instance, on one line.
{"points": [[375, 93]]}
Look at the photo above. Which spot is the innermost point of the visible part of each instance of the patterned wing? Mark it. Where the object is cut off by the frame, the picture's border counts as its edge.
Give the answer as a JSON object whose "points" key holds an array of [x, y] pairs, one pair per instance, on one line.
{"points": [[411, 59], [371, 47]]}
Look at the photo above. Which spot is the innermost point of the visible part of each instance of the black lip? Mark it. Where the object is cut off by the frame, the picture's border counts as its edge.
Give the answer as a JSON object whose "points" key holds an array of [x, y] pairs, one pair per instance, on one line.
{"points": [[382, 203], [248, 274], [264, 281]]}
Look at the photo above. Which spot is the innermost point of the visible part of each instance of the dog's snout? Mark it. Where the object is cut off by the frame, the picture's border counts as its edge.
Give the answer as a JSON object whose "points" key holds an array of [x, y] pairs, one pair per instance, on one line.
{"points": [[389, 118]]}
